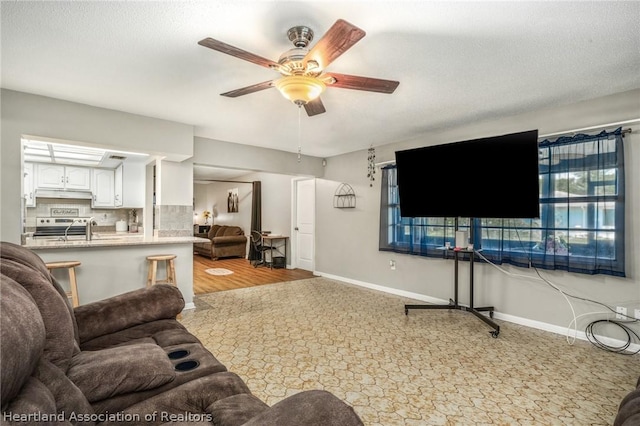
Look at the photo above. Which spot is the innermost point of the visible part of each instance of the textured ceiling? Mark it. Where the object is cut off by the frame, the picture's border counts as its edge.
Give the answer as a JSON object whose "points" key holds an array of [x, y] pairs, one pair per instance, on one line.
{"points": [[457, 62]]}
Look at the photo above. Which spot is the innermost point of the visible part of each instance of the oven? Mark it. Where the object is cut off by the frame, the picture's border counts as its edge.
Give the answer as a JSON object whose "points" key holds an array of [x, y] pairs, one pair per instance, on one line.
{"points": [[55, 227]]}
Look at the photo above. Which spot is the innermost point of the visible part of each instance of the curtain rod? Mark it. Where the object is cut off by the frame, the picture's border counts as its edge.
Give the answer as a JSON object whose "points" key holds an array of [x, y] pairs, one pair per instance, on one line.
{"points": [[601, 126], [619, 123]]}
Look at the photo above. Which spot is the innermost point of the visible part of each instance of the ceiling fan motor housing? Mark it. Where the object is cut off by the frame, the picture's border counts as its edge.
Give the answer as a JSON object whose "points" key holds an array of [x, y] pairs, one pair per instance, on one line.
{"points": [[301, 36]]}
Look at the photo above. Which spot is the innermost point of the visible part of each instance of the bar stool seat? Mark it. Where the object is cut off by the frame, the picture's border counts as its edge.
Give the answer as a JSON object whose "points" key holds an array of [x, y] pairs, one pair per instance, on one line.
{"points": [[153, 269], [70, 265]]}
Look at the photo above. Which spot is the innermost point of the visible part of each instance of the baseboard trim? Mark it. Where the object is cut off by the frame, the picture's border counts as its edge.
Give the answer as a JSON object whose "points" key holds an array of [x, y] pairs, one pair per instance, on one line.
{"points": [[189, 306], [538, 325]]}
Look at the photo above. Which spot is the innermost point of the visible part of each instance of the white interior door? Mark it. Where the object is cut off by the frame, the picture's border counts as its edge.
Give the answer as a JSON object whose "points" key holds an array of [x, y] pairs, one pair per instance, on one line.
{"points": [[304, 219]]}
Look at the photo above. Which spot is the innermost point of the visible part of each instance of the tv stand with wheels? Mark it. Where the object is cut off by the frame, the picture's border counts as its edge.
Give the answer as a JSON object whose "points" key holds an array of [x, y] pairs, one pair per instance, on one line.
{"points": [[453, 303]]}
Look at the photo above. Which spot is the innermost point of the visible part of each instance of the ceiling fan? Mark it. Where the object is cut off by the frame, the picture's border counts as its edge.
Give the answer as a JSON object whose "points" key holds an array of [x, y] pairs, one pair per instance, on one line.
{"points": [[303, 70]]}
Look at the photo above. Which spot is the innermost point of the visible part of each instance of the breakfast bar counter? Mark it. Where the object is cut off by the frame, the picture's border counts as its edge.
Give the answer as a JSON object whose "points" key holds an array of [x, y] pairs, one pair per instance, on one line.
{"points": [[113, 264], [109, 240]]}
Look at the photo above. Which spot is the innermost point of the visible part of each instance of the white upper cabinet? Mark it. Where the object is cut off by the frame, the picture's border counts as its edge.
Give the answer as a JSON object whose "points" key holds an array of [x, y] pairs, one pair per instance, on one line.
{"points": [[77, 178], [117, 187], [103, 188], [50, 176], [123, 186], [28, 185], [134, 183], [55, 176]]}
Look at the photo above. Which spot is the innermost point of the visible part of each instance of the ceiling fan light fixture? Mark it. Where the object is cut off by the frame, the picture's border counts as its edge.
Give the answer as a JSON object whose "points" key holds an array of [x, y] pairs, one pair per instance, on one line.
{"points": [[300, 89]]}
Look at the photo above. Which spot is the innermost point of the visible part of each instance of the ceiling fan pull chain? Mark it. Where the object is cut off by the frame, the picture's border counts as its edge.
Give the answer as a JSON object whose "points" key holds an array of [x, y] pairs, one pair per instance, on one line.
{"points": [[299, 132]]}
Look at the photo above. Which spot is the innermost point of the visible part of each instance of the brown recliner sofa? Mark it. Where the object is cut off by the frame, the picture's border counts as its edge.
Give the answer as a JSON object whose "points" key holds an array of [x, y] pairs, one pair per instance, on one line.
{"points": [[629, 410], [122, 360], [225, 241]]}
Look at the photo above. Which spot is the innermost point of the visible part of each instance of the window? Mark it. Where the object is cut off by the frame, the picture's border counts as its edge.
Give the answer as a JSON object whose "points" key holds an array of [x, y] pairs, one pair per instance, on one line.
{"points": [[581, 224]]}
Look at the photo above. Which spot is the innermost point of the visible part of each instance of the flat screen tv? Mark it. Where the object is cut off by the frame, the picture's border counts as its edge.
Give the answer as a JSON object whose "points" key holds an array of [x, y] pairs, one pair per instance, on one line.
{"points": [[489, 177]]}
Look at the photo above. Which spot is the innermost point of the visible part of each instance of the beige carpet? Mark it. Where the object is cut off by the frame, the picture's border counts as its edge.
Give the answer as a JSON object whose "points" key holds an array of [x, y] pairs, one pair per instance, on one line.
{"points": [[427, 368]]}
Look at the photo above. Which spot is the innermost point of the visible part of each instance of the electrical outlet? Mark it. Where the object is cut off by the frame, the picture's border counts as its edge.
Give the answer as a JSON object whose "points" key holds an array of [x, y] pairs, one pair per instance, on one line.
{"points": [[636, 314], [621, 312], [392, 265]]}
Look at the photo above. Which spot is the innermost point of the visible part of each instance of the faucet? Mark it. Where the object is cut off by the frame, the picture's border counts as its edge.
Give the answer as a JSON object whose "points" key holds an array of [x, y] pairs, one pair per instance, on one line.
{"points": [[89, 228], [66, 238]]}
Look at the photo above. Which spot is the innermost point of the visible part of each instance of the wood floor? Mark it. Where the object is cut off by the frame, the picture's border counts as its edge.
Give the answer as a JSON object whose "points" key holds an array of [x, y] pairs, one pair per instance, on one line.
{"points": [[244, 274]]}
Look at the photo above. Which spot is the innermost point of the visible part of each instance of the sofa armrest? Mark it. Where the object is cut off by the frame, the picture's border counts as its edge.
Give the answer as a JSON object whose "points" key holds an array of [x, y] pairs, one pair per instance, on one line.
{"points": [[126, 310], [309, 408], [234, 239]]}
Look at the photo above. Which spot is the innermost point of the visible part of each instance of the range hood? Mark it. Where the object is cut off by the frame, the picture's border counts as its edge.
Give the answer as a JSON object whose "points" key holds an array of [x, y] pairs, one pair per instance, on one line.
{"points": [[60, 193]]}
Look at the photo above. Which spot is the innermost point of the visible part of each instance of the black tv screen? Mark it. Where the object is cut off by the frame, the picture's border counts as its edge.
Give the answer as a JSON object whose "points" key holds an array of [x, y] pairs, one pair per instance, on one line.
{"points": [[489, 177]]}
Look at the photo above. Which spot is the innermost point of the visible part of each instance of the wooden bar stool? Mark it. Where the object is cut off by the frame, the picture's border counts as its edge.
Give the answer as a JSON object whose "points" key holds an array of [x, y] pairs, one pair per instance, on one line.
{"points": [[153, 269], [70, 265]]}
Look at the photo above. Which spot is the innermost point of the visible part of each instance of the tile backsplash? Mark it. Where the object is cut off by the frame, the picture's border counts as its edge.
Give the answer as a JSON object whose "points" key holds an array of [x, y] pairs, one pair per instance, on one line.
{"points": [[173, 221], [104, 217]]}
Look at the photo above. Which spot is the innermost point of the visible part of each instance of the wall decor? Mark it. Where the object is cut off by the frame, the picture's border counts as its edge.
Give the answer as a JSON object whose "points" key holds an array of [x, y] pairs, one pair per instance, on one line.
{"points": [[232, 200], [344, 197], [371, 165]]}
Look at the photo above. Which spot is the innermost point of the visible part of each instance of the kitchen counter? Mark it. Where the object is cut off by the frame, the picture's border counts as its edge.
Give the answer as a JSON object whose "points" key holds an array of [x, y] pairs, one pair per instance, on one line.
{"points": [[116, 263], [109, 240]]}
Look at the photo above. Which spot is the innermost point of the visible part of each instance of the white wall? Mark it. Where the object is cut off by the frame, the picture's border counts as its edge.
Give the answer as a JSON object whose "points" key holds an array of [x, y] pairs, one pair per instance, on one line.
{"points": [[276, 201], [347, 239], [212, 152], [174, 183]]}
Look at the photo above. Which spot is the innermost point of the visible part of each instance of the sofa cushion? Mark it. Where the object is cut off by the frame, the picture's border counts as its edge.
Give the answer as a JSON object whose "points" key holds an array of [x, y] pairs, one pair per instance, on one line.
{"points": [[23, 337], [115, 371], [230, 240], [629, 411], [213, 231], [188, 402], [34, 399], [60, 344], [31, 260], [230, 231], [68, 397]]}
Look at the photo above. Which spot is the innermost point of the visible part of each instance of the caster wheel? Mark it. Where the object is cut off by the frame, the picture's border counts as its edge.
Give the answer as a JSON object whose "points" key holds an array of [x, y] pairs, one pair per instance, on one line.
{"points": [[495, 334], [490, 314], [406, 312]]}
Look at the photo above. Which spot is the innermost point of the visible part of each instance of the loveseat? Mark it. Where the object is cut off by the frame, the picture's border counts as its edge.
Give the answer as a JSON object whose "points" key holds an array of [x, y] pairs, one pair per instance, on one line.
{"points": [[123, 360], [629, 410], [224, 241]]}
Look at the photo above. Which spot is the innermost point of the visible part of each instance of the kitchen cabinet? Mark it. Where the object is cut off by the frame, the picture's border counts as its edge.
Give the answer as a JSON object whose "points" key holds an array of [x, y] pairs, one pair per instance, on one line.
{"points": [[55, 176], [28, 185], [103, 188], [133, 185], [117, 187], [122, 187]]}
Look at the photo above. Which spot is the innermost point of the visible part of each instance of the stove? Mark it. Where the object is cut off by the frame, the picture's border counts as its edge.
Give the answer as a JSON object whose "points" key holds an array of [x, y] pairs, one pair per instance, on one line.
{"points": [[56, 226]]}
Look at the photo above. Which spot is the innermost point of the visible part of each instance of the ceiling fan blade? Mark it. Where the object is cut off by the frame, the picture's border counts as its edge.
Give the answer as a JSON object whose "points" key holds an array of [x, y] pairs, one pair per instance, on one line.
{"points": [[337, 40], [248, 89], [345, 81], [238, 53], [314, 107]]}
